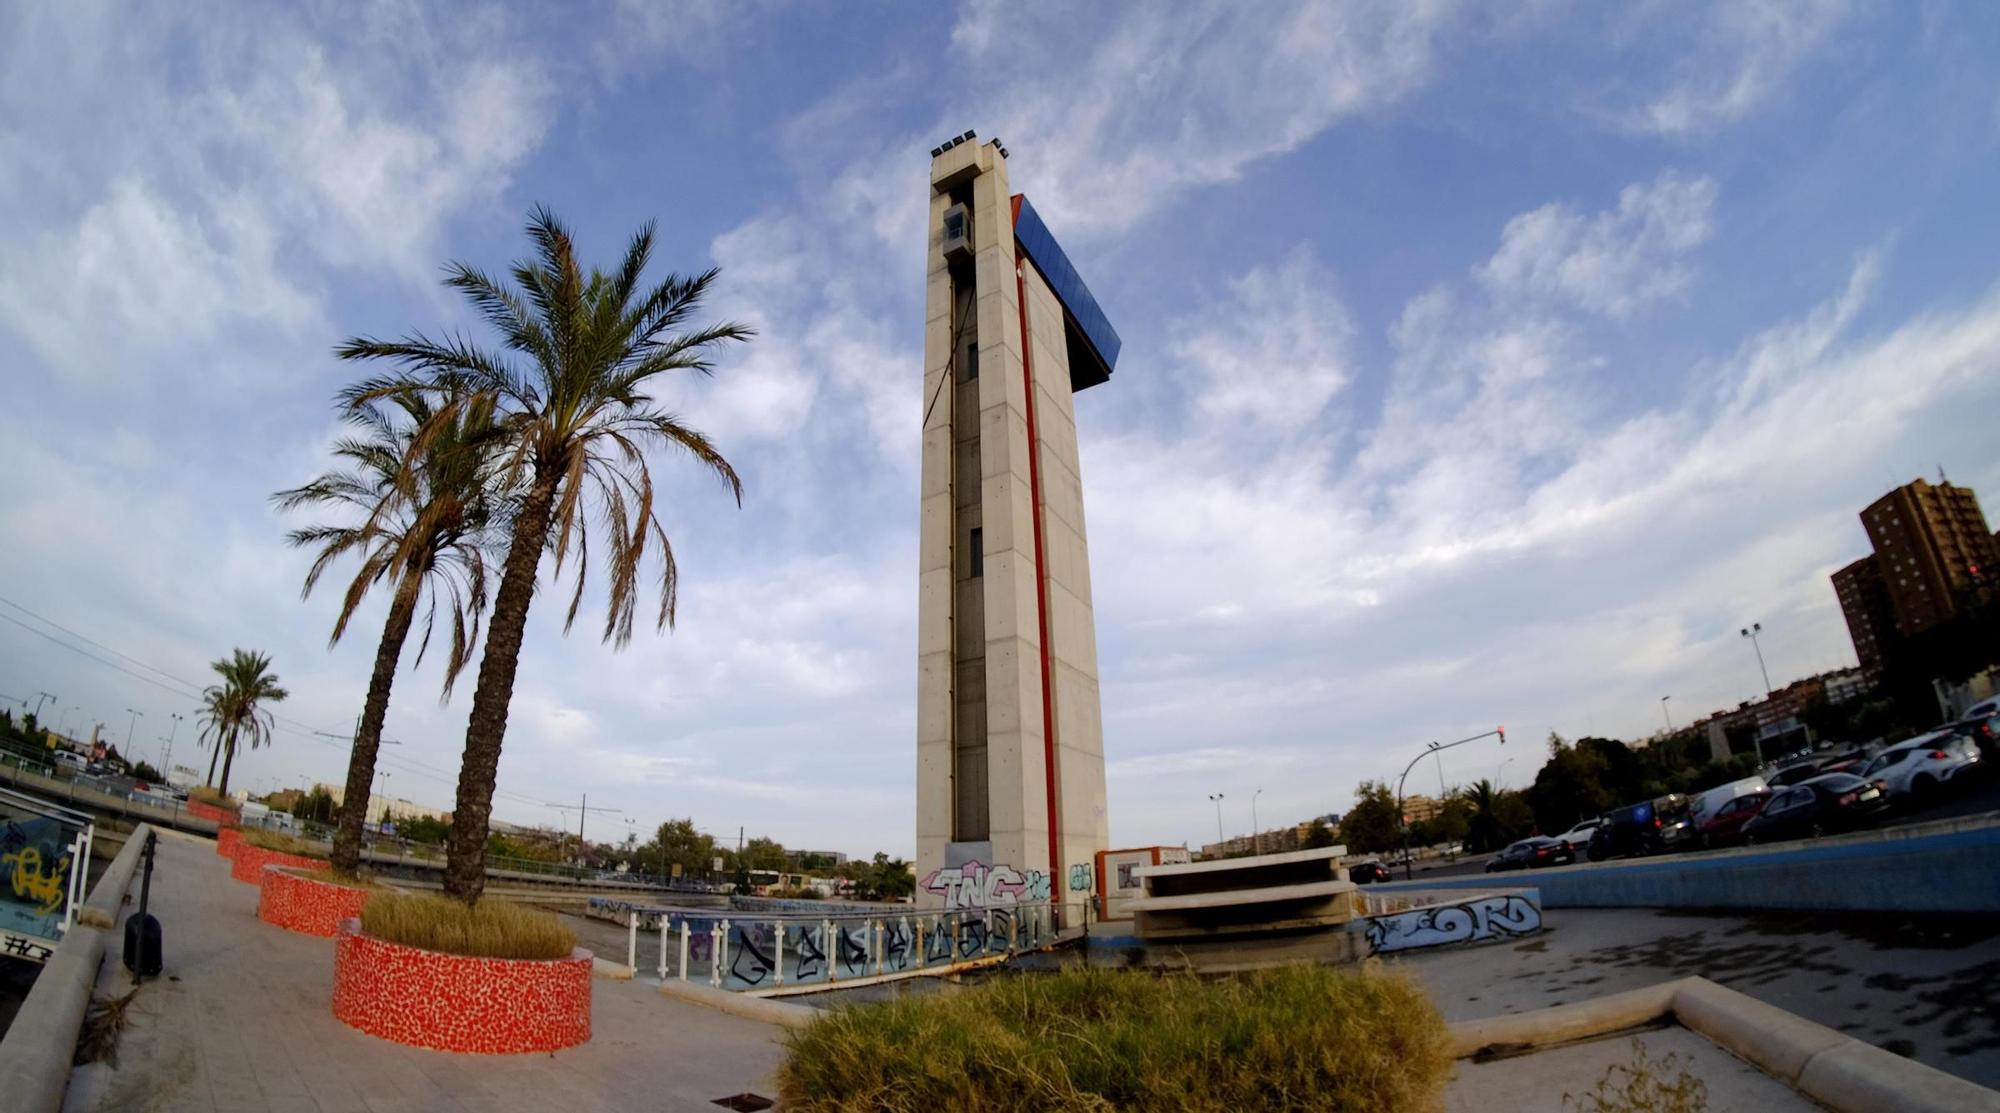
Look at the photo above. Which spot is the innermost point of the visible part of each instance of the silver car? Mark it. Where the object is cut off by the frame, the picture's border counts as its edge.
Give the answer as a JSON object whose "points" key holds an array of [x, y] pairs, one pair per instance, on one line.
{"points": [[1916, 769]]}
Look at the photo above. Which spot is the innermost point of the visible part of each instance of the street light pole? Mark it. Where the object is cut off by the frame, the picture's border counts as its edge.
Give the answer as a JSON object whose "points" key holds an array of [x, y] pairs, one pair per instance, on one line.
{"points": [[1751, 631], [167, 755], [1256, 830], [1216, 798], [129, 724], [1664, 715], [1432, 748], [39, 697]]}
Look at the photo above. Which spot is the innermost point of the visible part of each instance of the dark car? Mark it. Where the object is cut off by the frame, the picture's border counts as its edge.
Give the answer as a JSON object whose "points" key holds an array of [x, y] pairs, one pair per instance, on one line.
{"points": [[1370, 872], [1531, 852], [1725, 826], [1653, 827], [1834, 802], [1794, 774]]}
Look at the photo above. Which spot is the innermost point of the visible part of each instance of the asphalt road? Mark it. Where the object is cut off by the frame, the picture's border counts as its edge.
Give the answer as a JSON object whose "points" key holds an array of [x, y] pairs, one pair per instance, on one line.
{"points": [[1975, 799]]}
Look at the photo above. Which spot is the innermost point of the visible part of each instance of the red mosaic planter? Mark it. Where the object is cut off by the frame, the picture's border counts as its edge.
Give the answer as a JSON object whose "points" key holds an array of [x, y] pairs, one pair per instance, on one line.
{"points": [[492, 1006], [248, 863], [227, 840], [201, 809], [304, 903]]}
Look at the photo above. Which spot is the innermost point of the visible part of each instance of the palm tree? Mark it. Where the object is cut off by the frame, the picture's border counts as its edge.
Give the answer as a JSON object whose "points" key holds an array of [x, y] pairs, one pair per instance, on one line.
{"points": [[1487, 828], [233, 710], [424, 495], [579, 352], [214, 717]]}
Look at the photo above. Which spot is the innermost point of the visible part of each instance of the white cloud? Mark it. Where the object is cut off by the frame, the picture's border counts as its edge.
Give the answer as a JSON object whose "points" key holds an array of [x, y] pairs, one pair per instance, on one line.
{"points": [[1615, 262], [1276, 352], [1746, 50]]}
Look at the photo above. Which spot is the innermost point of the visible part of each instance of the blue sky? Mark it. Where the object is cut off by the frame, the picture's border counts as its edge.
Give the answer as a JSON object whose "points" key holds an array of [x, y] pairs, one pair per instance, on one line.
{"points": [[1480, 366]]}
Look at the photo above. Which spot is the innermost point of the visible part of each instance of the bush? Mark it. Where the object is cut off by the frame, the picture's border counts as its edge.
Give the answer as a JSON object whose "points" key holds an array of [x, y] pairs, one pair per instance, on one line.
{"points": [[1298, 1037], [283, 843], [208, 795], [490, 929]]}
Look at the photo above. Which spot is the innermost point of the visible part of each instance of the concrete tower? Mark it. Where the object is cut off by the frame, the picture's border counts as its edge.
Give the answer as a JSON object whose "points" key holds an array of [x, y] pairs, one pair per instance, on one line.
{"points": [[1010, 742]]}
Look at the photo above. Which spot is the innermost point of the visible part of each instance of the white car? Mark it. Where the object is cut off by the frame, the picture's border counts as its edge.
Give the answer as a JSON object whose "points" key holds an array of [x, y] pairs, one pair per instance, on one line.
{"points": [[1917, 768], [1578, 837]]}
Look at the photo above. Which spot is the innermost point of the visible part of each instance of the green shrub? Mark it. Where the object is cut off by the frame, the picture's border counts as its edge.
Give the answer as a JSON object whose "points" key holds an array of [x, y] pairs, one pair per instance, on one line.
{"points": [[490, 929], [1300, 1037], [283, 843]]}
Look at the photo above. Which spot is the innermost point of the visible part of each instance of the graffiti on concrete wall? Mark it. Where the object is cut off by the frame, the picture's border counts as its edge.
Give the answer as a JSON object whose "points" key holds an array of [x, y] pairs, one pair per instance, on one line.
{"points": [[1079, 878], [1467, 921], [976, 885]]}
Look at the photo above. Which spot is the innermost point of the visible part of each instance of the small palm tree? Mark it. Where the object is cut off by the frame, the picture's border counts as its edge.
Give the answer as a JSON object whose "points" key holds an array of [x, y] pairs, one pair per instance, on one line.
{"points": [[579, 353], [233, 711], [424, 494]]}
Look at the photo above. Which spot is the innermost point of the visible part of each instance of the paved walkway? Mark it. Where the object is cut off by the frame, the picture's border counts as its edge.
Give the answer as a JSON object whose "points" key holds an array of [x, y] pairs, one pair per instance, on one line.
{"points": [[241, 1020]]}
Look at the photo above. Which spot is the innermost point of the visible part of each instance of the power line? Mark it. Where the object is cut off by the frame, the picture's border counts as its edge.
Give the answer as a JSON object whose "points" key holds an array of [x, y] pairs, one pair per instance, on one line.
{"points": [[280, 722]]}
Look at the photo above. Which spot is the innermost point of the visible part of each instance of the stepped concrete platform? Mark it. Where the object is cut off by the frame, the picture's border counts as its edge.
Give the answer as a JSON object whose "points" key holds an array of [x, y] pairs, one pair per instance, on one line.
{"points": [[242, 1019]]}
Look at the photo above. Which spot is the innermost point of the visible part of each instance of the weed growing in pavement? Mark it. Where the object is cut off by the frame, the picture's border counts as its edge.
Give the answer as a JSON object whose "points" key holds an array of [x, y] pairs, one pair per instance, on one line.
{"points": [[1644, 1085]]}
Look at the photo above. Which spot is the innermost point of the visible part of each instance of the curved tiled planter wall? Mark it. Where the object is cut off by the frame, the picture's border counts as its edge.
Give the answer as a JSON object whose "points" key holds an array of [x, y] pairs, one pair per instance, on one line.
{"points": [[201, 809], [227, 840], [304, 903], [248, 863], [452, 1003]]}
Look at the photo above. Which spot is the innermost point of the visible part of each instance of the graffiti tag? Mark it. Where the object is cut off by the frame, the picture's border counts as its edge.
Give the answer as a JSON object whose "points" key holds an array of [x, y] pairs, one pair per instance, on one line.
{"points": [[976, 885], [1079, 878], [45, 887], [1469, 921]]}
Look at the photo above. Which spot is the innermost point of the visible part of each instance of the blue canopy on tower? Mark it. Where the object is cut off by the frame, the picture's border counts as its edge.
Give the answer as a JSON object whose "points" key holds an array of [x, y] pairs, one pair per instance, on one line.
{"points": [[1093, 343]]}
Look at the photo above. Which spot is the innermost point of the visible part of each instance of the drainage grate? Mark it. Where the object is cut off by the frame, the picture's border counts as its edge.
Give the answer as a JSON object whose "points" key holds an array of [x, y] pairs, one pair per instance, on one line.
{"points": [[744, 1103]]}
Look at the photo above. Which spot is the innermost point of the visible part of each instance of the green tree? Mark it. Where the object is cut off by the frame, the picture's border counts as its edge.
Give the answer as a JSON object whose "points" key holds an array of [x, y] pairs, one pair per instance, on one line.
{"points": [[146, 773], [763, 854], [579, 353], [421, 494], [677, 843], [1570, 786], [885, 878], [1498, 817], [233, 712], [1373, 825], [1319, 835]]}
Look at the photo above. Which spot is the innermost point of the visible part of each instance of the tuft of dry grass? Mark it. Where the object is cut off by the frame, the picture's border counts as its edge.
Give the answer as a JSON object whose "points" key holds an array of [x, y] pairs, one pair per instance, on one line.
{"points": [[1645, 1085], [1303, 1037], [492, 928], [208, 795], [284, 844], [330, 877]]}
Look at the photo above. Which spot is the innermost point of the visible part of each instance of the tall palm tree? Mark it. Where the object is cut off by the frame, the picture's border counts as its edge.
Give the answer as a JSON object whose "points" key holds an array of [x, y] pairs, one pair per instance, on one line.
{"points": [[424, 494], [234, 709], [214, 717], [579, 353]]}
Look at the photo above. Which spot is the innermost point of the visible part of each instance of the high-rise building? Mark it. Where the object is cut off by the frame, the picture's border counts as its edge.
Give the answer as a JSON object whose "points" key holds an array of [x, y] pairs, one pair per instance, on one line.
{"points": [[1871, 618], [1930, 541], [1010, 743]]}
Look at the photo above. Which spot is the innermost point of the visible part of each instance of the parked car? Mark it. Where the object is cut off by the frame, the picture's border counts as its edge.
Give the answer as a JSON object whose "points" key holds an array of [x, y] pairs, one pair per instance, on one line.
{"points": [[1832, 803], [1578, 837], [1530, 852], [1370, 872], [1796, 773], [71, 761], [1724, 825], [1652, 827], [1914, 770], [1702, 806], [1984, 730]]}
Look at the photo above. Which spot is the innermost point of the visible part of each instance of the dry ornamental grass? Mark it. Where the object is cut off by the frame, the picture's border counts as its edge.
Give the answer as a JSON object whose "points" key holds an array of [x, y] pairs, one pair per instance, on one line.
{"points": [[283, 843], [490, 929], [1295, 1038]]}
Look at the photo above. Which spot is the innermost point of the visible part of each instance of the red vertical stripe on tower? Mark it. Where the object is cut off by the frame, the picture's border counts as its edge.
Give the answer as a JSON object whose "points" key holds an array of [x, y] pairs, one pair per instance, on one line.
{"points": [[1041, 573]]}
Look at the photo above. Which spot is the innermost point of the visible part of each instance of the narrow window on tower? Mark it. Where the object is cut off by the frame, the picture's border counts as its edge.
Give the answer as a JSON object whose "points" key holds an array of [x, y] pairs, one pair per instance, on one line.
{"points": [[978, 555], [971, 362]]}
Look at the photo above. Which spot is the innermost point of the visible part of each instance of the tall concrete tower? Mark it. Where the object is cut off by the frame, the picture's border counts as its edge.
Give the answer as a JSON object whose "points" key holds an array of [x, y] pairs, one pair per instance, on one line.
{"points": [[1010, 739]]}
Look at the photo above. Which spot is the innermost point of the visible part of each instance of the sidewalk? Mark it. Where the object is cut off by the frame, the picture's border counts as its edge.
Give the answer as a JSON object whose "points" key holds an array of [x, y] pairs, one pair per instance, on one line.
{"points": [[241, 1020]]}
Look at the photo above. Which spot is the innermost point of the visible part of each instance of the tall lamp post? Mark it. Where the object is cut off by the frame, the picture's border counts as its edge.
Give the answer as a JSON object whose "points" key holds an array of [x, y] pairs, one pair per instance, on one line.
{"points": [[1664, 715], [1256, 832], [1216, 799], [167, 755], [1751, 631], [1432, 748], [39, 697], [129, 724]]}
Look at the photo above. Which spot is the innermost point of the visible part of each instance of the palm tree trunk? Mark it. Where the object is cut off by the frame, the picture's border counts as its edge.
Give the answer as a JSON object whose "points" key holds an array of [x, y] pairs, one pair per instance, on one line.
{"points": [[228, 759], [471, 817], [368, 740], [212, 759]]}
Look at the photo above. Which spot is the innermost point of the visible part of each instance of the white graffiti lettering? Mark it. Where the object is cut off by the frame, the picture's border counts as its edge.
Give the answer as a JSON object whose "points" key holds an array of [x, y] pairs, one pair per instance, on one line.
{"points": [[1469, 921], [976, 885]]}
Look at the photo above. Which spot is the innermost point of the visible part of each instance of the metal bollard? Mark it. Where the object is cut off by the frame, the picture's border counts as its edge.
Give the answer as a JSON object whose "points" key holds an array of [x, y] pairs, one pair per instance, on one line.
{"points": [[685, 931]]}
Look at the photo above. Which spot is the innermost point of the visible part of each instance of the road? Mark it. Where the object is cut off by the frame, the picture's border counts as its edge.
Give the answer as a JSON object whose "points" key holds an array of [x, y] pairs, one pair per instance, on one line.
{"points": [[1976, 799]]}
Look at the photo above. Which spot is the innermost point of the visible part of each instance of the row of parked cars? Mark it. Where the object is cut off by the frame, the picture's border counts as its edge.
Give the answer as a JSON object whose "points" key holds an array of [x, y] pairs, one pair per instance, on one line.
{"points": [[1809, 795]]}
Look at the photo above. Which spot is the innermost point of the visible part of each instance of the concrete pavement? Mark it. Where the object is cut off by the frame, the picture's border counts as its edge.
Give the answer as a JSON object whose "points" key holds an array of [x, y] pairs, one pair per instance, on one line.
{"points": [[1921, 987], [242, 1020]]}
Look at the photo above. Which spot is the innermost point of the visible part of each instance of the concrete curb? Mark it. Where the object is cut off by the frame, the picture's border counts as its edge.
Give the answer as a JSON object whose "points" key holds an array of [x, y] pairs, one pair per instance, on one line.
{"points": [[1840, 1072], [615, 971], [761, 1009], [35, 1056]]}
